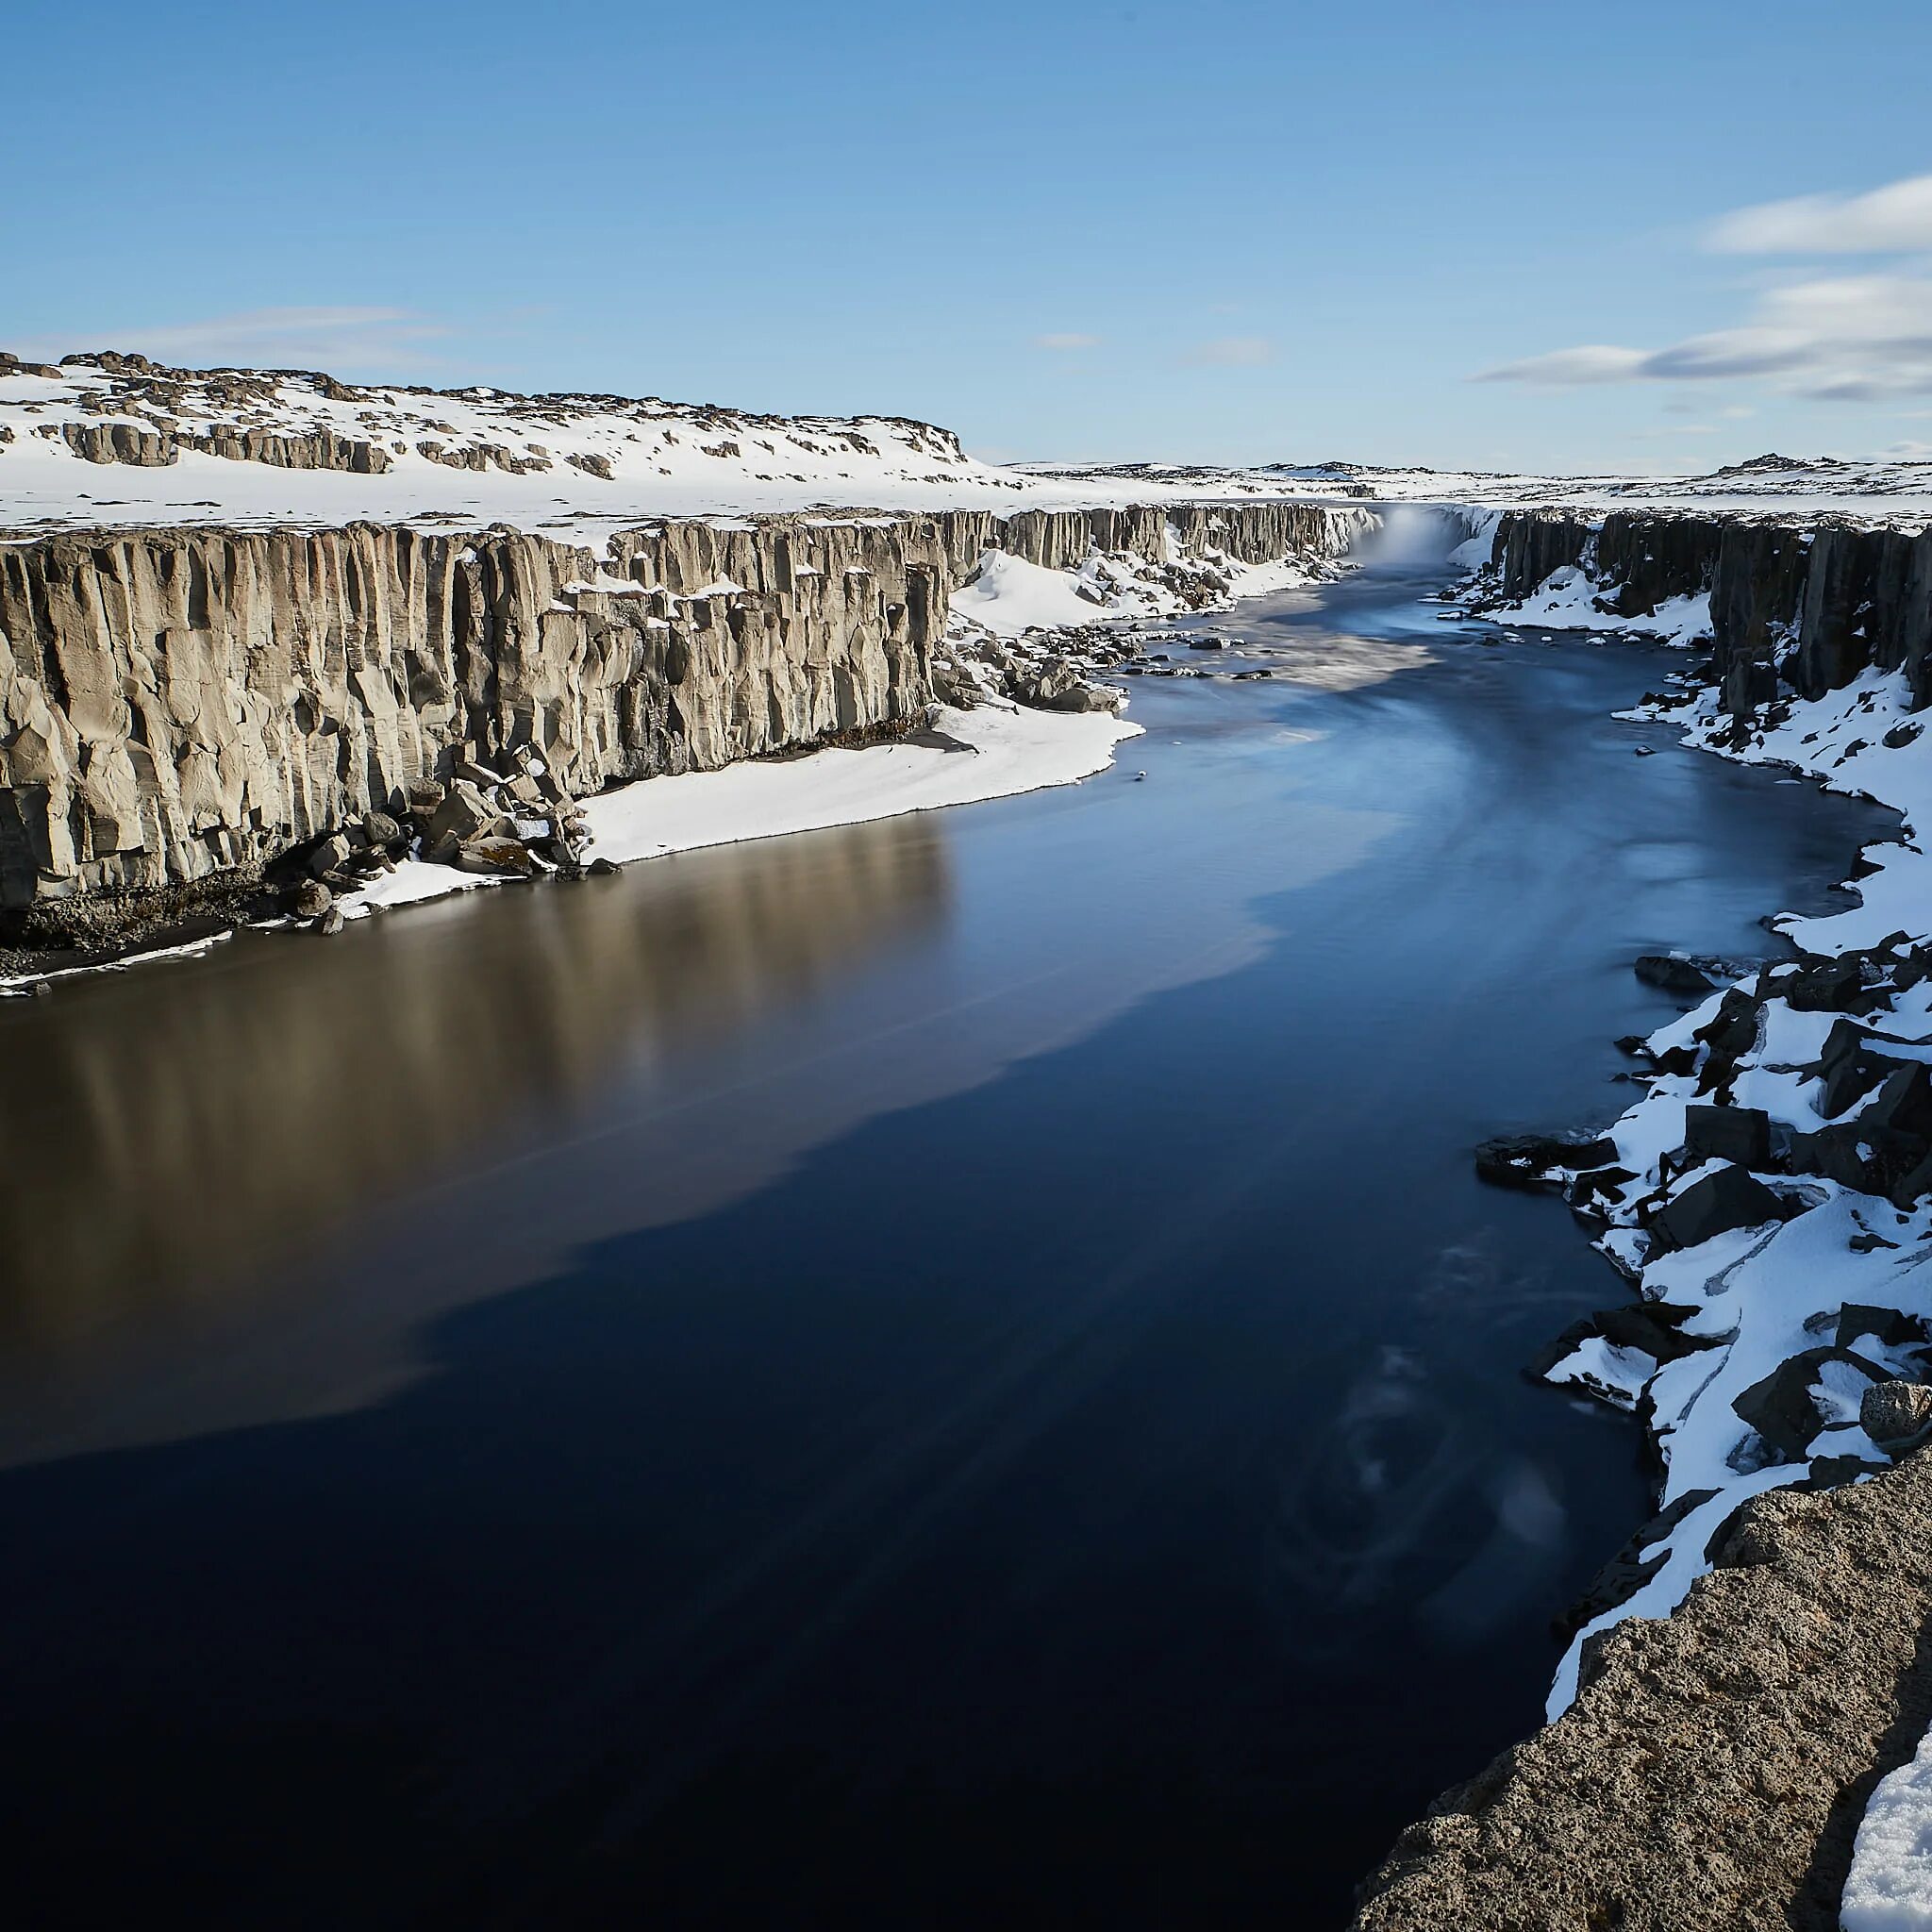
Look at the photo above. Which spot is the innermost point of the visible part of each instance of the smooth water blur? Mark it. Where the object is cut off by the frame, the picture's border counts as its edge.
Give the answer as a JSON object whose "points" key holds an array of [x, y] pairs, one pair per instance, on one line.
{"points": [[940, 1374]]}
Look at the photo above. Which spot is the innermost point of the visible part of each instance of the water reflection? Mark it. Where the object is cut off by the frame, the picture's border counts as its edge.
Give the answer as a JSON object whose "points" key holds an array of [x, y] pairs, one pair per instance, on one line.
{"points": [[163, 1132]]}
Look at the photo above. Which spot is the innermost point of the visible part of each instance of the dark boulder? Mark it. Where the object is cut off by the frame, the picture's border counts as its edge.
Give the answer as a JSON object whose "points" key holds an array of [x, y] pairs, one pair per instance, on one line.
{"points": [[1784, 1410], [1738, 1134], [1870, 1160], [1523, 1160], [1672, 973], [1725, 1198], [1889, 1327], [1903, 1103]]}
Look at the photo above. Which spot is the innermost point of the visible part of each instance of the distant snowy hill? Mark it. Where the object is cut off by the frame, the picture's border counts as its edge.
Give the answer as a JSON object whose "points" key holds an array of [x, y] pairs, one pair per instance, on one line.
{"points": [[1874, 489], [111, 440]]}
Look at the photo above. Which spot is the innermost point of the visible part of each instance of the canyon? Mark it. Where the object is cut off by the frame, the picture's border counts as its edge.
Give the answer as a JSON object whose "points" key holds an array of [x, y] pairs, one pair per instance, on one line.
{"points": [[242, 709]]}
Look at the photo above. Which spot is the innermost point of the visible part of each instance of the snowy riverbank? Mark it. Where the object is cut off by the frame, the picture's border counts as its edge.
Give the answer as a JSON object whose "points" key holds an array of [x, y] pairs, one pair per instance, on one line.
{"points": [[1770, 1201], [995, 750]]}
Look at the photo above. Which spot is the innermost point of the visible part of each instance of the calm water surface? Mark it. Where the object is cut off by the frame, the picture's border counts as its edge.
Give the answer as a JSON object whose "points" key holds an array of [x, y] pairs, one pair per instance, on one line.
{"points": [[949, 1372]]}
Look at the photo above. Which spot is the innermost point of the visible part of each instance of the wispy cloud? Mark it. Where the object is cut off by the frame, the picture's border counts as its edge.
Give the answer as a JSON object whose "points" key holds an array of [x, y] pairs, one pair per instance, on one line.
{"points": [[1066, 340], [1839, 338], [1231, 352], [1893, 219], [324, 338], [1592, 362]]}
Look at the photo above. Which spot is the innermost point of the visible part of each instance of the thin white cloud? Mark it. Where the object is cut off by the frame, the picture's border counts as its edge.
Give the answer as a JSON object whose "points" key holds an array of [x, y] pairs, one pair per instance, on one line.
{"points": [[323, 338], [1066, 340], [1891, 220], [1835, 338], [1592, 362], [1231, 352]]}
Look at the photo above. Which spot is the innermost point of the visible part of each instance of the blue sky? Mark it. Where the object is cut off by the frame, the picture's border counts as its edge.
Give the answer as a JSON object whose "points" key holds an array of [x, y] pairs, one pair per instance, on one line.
{"points": [[1229, 231]]}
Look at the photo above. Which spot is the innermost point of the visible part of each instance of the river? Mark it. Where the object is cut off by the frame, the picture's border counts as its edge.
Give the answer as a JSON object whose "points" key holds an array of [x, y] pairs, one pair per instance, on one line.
{"points": [[948, 1373]]}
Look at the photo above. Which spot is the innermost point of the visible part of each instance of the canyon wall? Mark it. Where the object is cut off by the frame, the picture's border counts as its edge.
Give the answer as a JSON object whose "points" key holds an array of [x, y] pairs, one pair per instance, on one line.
{"points": [[1809, 606], [177, 704]]}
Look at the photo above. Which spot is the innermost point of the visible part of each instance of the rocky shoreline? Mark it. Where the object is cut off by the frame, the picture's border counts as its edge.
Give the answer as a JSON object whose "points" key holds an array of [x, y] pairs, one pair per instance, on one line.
{"points": [[1747, 1669]]}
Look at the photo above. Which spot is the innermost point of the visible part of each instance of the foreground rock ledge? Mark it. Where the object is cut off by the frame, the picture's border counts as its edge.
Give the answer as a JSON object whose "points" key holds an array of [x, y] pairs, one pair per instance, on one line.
{"points": [[1716, 1765]]}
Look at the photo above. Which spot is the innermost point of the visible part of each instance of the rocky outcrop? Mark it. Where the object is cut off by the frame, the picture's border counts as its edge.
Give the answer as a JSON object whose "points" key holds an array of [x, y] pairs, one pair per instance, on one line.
{"points": [[1714, 1768], [177, 704], [122, 443], [1808, 607], [317, 449], [155, 446]]}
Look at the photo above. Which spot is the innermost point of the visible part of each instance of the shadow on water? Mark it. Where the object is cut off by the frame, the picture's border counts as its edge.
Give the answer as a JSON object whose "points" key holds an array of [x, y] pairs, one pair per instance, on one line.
{"points": [[1023, 1427]]}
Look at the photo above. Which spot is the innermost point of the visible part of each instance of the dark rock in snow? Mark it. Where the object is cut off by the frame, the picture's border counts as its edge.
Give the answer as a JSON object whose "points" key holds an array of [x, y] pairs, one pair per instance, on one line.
{"points": [[1737, 1134], [1522, 1161], [1783, 1407], [1871, 1159], [1671, 973], [1825, 986], [1725, 1198], [1887, 1326], [311, 900]]}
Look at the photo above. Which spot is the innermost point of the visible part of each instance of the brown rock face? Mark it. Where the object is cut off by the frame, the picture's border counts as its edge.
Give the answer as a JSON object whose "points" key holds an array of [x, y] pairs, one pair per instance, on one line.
{"points": [[1713, 1771], [175, 704]]}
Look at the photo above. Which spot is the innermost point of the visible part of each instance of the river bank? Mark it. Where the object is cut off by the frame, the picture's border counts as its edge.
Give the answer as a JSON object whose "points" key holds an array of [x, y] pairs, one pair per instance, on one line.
{"points": [[1767, 1201]]}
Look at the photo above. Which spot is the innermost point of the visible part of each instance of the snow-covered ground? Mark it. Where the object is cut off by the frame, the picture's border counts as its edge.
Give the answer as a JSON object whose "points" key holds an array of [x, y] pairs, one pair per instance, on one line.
{"points": [[991, 751], [579, 467], [1008, 596], [1890, 1888], [572, 466], [1877, 490]]}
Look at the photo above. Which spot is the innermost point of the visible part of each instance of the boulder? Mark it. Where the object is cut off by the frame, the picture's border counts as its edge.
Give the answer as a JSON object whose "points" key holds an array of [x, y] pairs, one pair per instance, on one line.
{"points": [[493, 854], [1670, 972], [1732, 1031], [421, 796], [1888, 1326], [464, 813], [330, 923], [1783, 1407], [330, 856], [380, 829], [1868, 1159], [1522, 1161], [1737, 1134], [311, 900], [1903, 1103], [1897, 1415], [1725, 1198]]}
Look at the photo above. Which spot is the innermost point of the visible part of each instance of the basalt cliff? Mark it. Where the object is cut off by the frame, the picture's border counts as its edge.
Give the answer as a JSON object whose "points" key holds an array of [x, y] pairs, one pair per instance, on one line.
{"points": [[179, 704]]}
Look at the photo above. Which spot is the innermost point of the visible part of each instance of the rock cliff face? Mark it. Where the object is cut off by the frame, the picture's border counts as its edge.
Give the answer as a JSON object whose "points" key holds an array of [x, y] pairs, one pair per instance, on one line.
{"points": [[1812, 605], [179, 704]]}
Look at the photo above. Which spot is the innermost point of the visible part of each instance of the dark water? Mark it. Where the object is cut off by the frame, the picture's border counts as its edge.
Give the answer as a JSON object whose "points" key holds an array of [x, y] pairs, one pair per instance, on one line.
{"points": [[952, 1373]]}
